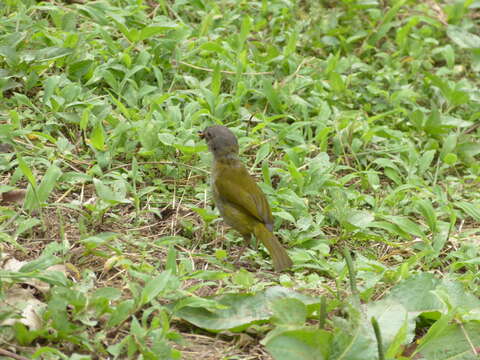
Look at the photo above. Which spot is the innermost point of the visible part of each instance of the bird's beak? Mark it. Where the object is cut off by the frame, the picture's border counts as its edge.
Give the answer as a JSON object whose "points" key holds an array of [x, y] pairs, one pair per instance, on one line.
{"points": [[201, 135]]}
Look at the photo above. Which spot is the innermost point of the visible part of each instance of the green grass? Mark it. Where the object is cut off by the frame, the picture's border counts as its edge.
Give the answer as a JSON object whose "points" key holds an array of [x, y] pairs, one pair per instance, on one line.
{"points": [[358, 118]]}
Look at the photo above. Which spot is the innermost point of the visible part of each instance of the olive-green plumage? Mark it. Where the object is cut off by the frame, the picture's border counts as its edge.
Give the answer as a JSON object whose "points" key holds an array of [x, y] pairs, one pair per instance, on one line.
{"points": [[240, 201]]}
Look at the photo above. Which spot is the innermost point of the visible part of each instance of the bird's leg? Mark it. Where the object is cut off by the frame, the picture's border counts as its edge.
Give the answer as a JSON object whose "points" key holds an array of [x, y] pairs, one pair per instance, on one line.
{"points": [[246, 241]]}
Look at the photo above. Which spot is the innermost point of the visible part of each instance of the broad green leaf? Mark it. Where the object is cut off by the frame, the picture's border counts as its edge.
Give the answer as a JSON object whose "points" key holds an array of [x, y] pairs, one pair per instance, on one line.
{"points": [[463, 38], [386, 22], [450, 341], [393, 318], [426, 209], [470, 209], [399, 340], [449, 145], [110, 293], [167, 139], [415, 293], [115, 193], [153, 30], [50, 85], [85, 119], [242, 310], [360, 219], [336, 82], [41, 263], [136, 329], [155, 286], [121, 312], [44, 54], [97, 137], [272, 96], [301, 344], [244, 31], [25, 225], [26, 171], [425, 161], [417, 118], [406, 225], [48, 182], [206, 24], [289, 49], [289, 311], [390, 227], [216, 81], [94, 241], [54, 278]]}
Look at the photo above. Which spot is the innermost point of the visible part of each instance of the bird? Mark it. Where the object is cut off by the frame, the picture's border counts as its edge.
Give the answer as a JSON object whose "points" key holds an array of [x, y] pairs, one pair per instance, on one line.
{"points": [[239, 199]]}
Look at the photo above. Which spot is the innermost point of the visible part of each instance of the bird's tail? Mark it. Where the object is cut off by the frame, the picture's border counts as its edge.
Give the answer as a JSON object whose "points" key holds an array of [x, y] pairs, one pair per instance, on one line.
{"points": [[280, 258]]}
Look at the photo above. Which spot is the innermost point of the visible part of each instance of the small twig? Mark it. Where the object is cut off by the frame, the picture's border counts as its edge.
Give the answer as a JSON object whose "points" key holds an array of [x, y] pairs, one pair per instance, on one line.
{"points": [[289, 77], [108, 281], [439, 12], [174, 218], [124, 166], [460, 227], [82, 193], [472, 128], [63, 158], [174, 13], [225, 71], [145, 227], [474, 350], [65, 194], [188, 252], [12, 355]]}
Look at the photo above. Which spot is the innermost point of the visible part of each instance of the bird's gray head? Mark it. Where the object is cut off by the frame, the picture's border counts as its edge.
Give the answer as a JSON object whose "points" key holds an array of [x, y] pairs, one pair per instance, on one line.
{"points": [[221, 141]]}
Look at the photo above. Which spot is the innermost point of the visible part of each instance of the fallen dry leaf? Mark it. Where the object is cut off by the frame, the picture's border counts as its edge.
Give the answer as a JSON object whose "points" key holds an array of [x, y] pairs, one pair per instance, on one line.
{"points": [[26, 304], [13, 196]]}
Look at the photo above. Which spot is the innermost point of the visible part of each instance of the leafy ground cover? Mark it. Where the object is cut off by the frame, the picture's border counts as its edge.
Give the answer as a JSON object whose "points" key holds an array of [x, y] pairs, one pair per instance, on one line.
{"points": [[358, 117]]}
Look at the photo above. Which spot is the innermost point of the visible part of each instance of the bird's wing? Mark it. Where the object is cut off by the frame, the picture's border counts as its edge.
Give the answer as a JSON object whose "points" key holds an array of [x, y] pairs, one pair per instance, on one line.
{"points": [[235, 185]]}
